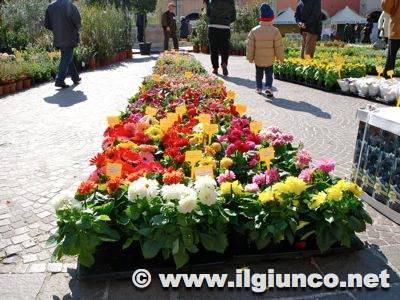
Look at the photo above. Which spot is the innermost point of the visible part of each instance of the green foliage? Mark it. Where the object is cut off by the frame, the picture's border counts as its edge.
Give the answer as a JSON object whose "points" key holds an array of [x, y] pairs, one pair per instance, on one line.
{"points": [[144, 6], [246, 18]]}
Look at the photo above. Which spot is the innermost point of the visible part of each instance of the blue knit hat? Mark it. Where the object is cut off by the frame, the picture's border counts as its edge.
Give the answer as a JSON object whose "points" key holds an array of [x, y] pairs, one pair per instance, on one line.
{"points": [[266, 13]]}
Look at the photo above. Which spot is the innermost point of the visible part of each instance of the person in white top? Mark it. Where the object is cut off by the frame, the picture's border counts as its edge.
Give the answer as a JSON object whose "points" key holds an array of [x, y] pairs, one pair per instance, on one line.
{"points": [[383, 26]]}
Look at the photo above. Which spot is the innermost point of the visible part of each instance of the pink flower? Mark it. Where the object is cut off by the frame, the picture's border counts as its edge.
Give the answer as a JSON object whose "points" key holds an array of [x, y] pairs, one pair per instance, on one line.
{"points": [[303, 158], [307, 175], [253, 162], [271, 176], [147, 156], [230, 149], [287, 137], [251, 188], [274, 129], [227, 176], [325, 165], [259, 179], [278, 142]]}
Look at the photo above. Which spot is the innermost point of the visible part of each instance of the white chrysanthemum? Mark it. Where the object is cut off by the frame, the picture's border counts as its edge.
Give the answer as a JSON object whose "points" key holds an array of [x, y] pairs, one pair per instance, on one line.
{"points": [[205, 183], [208, 196], [66, 198], [188, 201], [173, 191], [143, 188], [199, 128]]}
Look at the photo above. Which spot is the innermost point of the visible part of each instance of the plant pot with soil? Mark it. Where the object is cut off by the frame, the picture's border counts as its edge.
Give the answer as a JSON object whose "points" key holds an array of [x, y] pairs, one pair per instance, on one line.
{"points": [[205, 49], [145, 48]]}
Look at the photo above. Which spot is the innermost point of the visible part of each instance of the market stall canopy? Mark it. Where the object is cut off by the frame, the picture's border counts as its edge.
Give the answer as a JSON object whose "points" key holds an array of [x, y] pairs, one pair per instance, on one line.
{"points": [[286, 17], [346, 15]]}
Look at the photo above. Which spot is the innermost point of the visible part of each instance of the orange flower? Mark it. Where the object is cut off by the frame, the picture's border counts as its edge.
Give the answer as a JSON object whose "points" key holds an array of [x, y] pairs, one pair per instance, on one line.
{"points": [[87, 187], [148, 148], [173, 177], [113, 185]]}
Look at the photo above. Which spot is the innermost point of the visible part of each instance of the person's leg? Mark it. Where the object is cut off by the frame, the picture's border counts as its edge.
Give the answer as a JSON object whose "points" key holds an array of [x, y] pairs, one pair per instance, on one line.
{"points": [[303, 44], [213, 40], [72, 70], [311, 43], [259, 77], [391, 56], [166, 40], [269, 77], [140, 34], [66, 58], [175, 40], [224, 49]]}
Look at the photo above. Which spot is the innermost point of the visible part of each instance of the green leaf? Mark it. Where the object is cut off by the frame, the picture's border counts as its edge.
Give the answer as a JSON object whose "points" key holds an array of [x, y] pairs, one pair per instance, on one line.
{"points": [[181, 258], [104, 209], [325, 239], [356, 225], [70, 244], [207, 241], [104, 218], [151, 248], [128, 243], [86, 258], [175, 248], [122, 219], [102, 228], [263, 242]]}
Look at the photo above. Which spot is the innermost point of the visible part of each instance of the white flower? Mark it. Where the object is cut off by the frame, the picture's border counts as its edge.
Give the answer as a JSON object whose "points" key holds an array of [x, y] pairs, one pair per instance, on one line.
{"points": [[143, 188], [205, 187], [251, 188], [188, 201], [199, 128], [66, 198], [173, 191]]}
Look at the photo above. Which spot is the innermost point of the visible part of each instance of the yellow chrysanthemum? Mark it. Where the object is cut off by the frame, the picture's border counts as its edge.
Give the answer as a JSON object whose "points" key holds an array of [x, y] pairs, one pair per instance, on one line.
{"points": [[266, 196], [356, 189], [127, 145], [210, 150], [295, 185], [226, 162], [226, 188], [318, 200], [217, 147], [208, 161], [154, 132], [334, 193], [237, 188], [343, 185]]}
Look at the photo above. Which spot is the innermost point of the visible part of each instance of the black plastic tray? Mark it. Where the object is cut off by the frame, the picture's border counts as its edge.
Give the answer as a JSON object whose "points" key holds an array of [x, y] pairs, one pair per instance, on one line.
{"points": [[112, 264]]}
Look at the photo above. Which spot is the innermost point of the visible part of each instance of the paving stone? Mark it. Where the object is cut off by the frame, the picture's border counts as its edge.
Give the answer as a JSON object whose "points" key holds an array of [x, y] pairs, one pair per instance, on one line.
{"points": [[43, 214], [13, 249], [37, 268], [28, 244], [29, 258], [54, 267], [5, 222], [10, 260], [20, 286], [20, 238]]}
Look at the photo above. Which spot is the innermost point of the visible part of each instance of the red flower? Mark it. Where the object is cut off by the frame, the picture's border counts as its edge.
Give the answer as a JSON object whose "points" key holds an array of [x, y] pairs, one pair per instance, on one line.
{"points": [[113, 185], [87, 187], [99, 160], [173, 177]]}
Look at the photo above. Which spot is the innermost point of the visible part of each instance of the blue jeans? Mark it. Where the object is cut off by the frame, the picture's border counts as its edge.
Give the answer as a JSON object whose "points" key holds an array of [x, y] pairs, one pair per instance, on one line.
{"points": [[269, 73], [67, 66]]}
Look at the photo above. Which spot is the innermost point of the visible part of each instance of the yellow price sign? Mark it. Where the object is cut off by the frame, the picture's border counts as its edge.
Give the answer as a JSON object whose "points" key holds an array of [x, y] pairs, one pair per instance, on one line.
{"points": [[151, 111], [181, 110], [266, 155], [173, 117], [390, 73], [193, 157], [231, 95], [204, 171], [241, 109], [113, 120], [113, 170], [210, 130], [398, 102], [307, 57], [204, 118], [188, 75], [255, 127], [379, 70], [165, 124]]}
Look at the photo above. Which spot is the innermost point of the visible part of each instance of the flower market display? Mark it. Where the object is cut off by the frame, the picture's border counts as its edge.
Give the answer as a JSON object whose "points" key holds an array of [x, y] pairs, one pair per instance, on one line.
{"points": [[183, 171]]}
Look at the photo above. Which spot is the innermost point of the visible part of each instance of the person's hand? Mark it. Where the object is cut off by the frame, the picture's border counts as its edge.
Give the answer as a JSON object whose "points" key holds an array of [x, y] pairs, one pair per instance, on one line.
{"points": [[251, 61], [302, 25], [168, 29]]}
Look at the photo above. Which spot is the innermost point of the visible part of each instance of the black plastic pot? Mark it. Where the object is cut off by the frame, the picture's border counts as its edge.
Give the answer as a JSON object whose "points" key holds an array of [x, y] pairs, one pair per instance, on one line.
{"points": [[145, 48]]}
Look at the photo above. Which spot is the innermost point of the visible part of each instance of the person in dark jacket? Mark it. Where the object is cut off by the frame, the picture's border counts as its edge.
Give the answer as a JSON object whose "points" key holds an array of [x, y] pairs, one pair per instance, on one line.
{"points": [[308, 17], [63, 19], [184, 30], [366, 32], [141, 22], [168, 22], [221, 13]]}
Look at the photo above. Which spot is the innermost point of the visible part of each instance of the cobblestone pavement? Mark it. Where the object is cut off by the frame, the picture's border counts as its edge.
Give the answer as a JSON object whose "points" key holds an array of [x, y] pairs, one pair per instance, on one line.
{"points": [[47, 138]]}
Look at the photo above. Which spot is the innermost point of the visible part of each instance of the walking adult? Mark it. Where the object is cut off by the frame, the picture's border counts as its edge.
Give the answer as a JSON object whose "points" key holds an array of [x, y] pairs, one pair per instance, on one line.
{"points": [[221, 13], [168, 22], [308, 17], [184, 29], [141, 22], [383, 26], [357, 33], [63, 19], [347, 33], [392, 7], [366, 32]]}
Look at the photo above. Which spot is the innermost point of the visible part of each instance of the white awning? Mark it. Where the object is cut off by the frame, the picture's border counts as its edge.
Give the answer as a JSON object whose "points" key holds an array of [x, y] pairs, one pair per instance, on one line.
{"points": [[346, 15], [286, 17]]}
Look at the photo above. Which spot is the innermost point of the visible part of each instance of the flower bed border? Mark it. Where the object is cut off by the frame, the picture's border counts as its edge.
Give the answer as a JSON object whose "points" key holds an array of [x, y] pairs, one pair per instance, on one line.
{"points": [[334, 90], [89, 274]]}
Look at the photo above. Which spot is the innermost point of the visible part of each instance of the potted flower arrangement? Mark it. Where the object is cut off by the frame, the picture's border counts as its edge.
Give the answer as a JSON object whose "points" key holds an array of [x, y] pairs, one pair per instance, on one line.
{"points": [[144, 7]]}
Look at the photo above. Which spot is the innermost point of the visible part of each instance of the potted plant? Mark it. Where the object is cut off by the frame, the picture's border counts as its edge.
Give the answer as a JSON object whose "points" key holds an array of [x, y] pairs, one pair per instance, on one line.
{"points": [[144, 7]]}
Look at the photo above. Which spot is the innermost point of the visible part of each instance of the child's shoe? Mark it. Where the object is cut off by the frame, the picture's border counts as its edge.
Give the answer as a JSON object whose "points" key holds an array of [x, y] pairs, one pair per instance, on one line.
{"points": [[259, 91], [269, 93]]}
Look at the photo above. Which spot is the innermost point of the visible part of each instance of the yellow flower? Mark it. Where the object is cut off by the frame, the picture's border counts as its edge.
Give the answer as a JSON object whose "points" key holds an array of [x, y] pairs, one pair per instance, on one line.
{"points": [[210, 150], [208, 161], [237, 188], [295, 185], [266, 196], [334, 193], [226, 188], [343, 185], [127, 145], [226, 162], [154, 132], [296, 203], [217, 147], [279, 188], [318, 200], [157, 77], [355, 189]]}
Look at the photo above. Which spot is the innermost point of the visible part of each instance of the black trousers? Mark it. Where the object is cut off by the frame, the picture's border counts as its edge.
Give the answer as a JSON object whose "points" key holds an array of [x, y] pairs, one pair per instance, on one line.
{"points": [[219, 44], [140, 34], [167, 36], [393, 48]]}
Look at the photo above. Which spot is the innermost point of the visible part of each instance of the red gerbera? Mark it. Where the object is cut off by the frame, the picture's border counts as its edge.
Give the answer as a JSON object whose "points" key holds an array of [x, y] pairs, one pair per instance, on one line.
{"points": [[99, 160], [87, 187]]}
